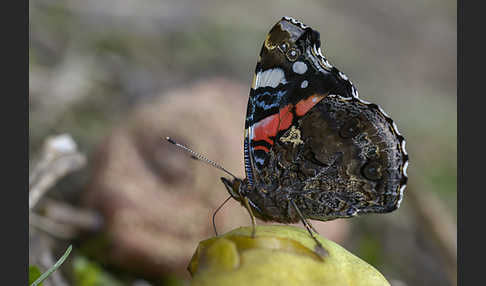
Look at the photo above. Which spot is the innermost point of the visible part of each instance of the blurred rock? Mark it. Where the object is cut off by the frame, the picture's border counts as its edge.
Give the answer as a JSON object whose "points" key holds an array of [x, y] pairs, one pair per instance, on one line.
{"points": [[156, 200]]}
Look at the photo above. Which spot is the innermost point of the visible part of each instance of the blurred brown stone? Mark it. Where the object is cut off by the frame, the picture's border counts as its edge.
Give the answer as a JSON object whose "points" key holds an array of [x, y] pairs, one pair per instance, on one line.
{"points": [[156, 200]]}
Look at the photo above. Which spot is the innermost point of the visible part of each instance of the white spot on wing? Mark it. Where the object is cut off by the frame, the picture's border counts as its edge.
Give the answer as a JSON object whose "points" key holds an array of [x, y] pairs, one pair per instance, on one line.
{"points": [[315, 61], [323, 60], [403, 147], [395, 127], [364, 101], [299, 67], [405, 166], [304, 84], [271, 77], [401, 196], [343, 76]]}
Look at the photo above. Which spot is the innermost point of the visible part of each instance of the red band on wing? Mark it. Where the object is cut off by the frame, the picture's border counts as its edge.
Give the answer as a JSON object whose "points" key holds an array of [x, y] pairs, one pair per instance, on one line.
{"points": [[265, 128], [305, 105], [270, 125], [260, 147], [285, 117]]}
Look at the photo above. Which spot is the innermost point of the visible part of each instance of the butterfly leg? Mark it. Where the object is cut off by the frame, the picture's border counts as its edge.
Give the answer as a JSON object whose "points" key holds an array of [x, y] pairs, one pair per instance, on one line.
{"points": [[244, 199], [319, 248], [215, 212]]}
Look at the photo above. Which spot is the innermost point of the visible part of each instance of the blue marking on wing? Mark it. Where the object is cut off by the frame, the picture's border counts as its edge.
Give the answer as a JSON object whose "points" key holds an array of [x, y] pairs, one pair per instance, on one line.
{"points": [[267, 100], [261, 102]]}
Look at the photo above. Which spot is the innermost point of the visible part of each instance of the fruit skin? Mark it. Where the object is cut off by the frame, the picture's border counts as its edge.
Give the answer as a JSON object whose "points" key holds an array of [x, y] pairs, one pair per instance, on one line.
{"points": [[278, 255]]}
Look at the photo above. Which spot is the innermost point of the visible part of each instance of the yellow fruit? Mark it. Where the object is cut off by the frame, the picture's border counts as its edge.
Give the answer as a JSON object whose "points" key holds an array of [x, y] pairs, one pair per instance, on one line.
{"points": [[279, 255]]}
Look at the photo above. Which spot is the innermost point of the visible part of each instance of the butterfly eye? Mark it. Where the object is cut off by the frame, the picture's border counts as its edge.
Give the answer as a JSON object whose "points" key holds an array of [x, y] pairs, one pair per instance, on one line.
{"points": [[283, 47], [292, 54]]}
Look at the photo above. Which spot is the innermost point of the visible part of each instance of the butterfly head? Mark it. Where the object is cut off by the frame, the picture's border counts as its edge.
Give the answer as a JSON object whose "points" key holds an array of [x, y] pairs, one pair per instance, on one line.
{"points": [[239, 190], [233, 187]]}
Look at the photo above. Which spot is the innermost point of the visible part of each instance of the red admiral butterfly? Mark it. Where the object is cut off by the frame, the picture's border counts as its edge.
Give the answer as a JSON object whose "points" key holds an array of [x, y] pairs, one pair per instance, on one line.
{"points": [[312, 148]]}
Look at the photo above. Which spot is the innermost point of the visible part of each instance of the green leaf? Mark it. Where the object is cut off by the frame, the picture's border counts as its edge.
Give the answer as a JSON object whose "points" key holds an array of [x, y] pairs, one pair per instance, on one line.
{"points": [[90, 273], [34, 273], [46, 274]]}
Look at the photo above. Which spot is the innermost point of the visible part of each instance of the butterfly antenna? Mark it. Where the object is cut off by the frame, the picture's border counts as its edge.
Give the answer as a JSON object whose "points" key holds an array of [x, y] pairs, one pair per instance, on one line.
{"points": [[200, 157], [216, 211]]}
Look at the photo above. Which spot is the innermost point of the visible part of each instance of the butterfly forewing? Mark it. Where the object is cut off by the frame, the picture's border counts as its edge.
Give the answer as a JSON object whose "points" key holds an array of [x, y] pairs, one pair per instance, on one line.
{"points": [[291, 76]]}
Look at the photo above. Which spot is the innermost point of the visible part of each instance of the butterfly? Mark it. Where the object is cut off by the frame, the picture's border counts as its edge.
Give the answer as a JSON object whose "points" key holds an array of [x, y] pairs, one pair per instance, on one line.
{"points": [[312, 148]]}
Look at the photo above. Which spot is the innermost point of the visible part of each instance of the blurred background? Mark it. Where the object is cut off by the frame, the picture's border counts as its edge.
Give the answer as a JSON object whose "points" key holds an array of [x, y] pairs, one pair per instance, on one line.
{"points": [[108, 80]]}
